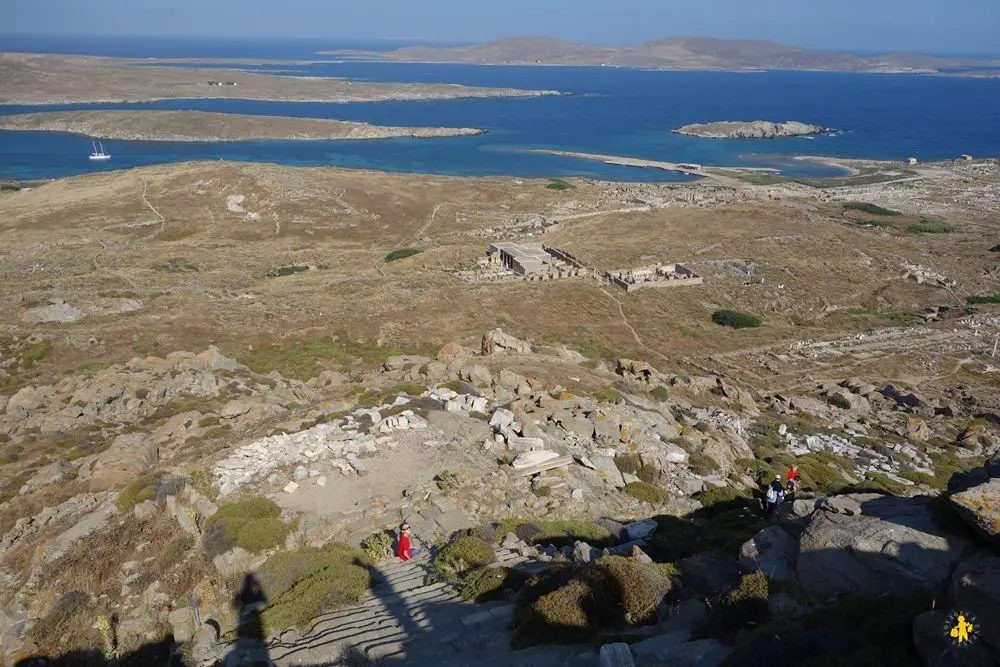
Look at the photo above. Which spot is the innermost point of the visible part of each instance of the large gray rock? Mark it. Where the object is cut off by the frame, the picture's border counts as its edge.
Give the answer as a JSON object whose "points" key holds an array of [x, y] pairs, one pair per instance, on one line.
{"points": [[773, 551], [975, 587], [935, 650], [608, 470], [580, 426], [498, 342], [980, 507], [130, 455], [893, 546]]}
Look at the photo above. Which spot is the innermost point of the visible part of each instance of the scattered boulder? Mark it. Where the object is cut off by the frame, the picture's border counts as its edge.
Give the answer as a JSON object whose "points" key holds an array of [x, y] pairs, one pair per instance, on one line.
{"points": [[498, 342]]}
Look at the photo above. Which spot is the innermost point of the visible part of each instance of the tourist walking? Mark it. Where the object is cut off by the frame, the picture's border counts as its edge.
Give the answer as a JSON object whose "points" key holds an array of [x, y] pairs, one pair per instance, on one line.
{"points": [[774, 495]]}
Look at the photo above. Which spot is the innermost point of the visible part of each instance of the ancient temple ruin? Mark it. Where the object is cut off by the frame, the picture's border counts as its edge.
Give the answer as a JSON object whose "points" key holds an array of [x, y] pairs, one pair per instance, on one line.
{"points": [[656, 275], [517, 261]]}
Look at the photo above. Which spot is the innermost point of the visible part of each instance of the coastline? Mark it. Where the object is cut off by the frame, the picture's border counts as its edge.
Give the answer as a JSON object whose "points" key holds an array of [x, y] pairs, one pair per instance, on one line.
{"points": [[203, 126]]}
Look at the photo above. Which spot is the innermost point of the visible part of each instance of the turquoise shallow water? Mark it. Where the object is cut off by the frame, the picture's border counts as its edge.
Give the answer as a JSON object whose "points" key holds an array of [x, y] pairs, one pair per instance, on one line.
{"points": [[611, 111]]}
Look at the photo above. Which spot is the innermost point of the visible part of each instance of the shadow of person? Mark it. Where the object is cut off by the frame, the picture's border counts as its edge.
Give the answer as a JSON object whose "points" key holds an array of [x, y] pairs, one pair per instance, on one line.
{"points": [[250, 647]]}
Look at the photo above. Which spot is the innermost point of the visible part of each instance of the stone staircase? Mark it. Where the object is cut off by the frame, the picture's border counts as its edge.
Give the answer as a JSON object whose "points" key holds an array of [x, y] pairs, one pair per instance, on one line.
{"points": [[406, 621]]}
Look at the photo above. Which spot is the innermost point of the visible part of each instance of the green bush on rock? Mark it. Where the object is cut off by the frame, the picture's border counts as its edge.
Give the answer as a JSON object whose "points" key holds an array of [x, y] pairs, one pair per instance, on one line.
{"points": [[463, 553], [253, 524], [489, 583], [573, 603], [301, 584]]}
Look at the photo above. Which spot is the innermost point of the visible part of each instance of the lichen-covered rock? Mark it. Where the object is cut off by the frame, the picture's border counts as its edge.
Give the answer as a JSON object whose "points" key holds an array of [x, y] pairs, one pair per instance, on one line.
{"points": [[980, 507]]}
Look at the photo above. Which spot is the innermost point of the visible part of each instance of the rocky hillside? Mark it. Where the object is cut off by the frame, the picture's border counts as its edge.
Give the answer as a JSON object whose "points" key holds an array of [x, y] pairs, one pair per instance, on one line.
{"points": [[151, 494]]}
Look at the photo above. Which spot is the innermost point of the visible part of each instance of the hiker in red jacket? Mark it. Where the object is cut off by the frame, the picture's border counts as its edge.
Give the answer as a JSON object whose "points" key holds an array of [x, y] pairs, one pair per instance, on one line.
{"points": [[793, 482], [405, 551]]}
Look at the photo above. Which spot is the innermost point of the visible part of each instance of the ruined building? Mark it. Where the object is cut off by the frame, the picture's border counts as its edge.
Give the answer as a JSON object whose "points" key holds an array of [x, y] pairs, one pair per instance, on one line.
{"points": [[657, 275]]}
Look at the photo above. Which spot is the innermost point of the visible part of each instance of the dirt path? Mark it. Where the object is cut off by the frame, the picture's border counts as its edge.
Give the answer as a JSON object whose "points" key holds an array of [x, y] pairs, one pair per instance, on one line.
{"points": [[430, 221], [628, 325], [163, 221]]}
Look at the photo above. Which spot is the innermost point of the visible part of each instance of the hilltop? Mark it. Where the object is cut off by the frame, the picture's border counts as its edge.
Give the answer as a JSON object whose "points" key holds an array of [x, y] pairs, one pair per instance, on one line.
{"points": [[680, 53]]}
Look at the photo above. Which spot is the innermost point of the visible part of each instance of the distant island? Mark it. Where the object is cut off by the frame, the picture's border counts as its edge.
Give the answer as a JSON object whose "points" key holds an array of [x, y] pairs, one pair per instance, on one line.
{"points": [[31, 78], [190, 126], [755, 129], [675, 53]]}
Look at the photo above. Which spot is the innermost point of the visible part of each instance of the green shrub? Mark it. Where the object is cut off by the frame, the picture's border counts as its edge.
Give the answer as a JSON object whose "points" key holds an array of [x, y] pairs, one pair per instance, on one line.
{"points": [[138, 491], [377, 545], [573, 604], [402, 253], [607, 395], [991, 298], [489, 583], [559, 533], [464, 553], [719, 498], [145, 349], [35, 352], [93, 366], [253, 524], [930, 227], [702, 464], [628, 463], [558, 184], [873, 209], [301, 584], [643, 585], [289, 270], [747, 603], [660, 393], [647, 493], [735, 319]]}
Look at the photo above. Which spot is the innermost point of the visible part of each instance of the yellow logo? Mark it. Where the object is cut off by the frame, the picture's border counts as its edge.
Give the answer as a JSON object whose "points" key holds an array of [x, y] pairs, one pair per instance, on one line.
{"points": [[961, 628]]}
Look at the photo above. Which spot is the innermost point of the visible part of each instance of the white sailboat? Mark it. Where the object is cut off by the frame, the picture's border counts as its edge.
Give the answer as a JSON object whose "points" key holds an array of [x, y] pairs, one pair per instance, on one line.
{"points": [[99, 154]]}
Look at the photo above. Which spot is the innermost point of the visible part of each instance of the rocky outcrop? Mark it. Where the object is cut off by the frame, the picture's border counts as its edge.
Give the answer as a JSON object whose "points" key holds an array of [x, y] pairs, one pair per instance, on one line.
{"points": [[870, 544], [498, 342], [757, 129], [979, 502]]}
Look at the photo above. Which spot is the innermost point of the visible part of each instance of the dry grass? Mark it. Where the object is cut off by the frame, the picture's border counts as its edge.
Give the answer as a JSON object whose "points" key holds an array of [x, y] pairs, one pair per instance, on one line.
{"points": [[347, 221], [92, 568]]}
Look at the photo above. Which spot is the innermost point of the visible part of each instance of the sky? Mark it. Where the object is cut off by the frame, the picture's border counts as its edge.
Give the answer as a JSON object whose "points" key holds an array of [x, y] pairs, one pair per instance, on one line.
{"points": [[930, 26]]}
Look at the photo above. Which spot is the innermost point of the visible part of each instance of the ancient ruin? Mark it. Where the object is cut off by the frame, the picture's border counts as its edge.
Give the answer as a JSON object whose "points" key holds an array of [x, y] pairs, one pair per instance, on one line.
{"points": [[515, 261], [656, 275]]}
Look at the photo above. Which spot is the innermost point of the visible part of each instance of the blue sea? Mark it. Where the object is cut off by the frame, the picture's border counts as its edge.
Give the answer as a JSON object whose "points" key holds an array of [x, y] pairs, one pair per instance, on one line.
{"points": [[626, 112]]}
